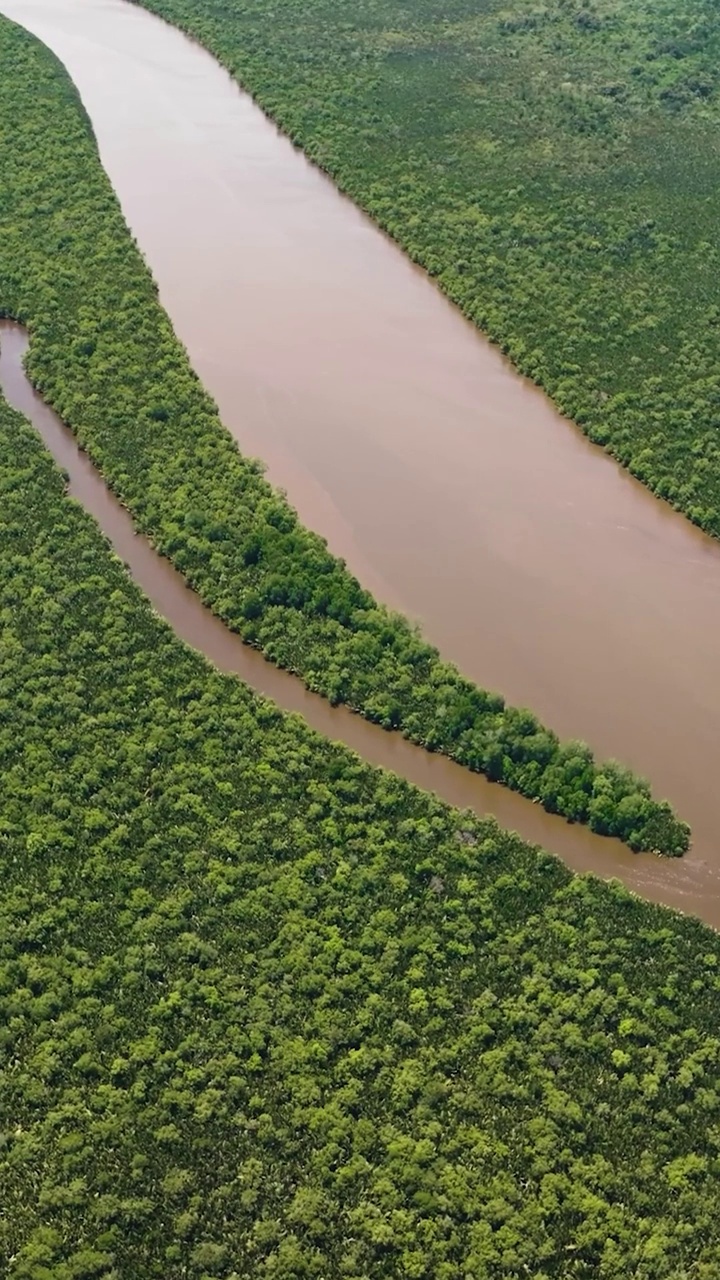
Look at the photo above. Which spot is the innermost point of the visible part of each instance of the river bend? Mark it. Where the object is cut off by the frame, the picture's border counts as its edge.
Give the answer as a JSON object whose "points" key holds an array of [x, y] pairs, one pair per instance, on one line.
{"points": [[450, 485], [672, 882]]}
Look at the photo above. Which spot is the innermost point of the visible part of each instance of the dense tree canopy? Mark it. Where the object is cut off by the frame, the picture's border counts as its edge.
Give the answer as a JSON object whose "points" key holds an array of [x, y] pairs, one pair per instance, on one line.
{"points": [[268, 1012], [104, 355]]}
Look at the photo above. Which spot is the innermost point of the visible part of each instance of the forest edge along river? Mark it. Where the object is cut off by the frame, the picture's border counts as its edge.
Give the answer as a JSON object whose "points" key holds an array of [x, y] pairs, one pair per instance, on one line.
{"points": [[451, 486], [684, 885]]}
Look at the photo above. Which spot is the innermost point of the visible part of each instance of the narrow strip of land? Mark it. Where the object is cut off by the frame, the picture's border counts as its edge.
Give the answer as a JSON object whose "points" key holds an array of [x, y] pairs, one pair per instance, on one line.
{"points": [[687, 886], [450, 485], [248, 980], [105, 357]]}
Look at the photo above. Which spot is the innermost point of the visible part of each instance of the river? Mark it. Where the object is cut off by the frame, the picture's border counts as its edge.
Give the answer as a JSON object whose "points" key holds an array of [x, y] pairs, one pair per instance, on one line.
{"points": [[662, 880], [450, 485]]}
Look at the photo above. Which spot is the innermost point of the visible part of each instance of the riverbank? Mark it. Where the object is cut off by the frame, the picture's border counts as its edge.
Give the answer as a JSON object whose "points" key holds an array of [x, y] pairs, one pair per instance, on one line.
{"points": [[686, 887], [104, 356], [450, 486], [266, 1010]]}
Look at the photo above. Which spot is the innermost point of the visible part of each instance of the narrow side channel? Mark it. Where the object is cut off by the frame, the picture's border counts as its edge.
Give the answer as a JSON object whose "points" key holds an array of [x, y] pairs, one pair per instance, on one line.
{"points": [[688, 886], [451, 487]]}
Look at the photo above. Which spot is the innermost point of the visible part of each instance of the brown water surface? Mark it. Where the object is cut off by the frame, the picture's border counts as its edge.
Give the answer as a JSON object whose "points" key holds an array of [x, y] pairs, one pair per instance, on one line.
{"points": [[679, 884], [451, 486]]}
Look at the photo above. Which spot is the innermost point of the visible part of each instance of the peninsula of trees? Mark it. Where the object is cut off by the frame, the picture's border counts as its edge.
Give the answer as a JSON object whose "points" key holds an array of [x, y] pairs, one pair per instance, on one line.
{"points": [[267, 1013], [105, 357]]}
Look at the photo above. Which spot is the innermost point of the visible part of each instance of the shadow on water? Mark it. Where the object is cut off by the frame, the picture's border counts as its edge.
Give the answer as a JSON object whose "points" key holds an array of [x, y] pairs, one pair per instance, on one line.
{"points": [[687, 885]]}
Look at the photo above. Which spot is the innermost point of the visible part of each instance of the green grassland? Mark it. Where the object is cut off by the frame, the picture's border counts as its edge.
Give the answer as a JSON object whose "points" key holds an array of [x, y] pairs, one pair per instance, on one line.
{"points": [[554, 165], [104, 355], [268, 1012]]}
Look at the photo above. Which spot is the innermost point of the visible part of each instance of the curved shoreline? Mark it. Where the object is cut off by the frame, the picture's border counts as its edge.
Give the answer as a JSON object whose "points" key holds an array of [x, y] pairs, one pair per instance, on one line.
{"points": [[453, 490], [686, 885]]}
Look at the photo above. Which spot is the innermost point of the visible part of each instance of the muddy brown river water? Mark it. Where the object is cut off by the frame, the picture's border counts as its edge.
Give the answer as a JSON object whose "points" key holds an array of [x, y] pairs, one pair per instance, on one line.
{"points": [[451, 486], [660, 879]]}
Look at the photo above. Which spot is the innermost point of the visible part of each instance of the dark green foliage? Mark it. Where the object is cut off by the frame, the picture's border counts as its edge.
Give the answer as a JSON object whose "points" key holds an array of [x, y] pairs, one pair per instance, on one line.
{"points": [[268, 1012], [104, 355]]}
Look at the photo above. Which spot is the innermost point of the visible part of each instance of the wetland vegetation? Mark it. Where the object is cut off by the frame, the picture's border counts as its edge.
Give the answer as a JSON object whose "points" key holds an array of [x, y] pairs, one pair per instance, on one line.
{"points": [[266, 1011], [104, 356]]}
